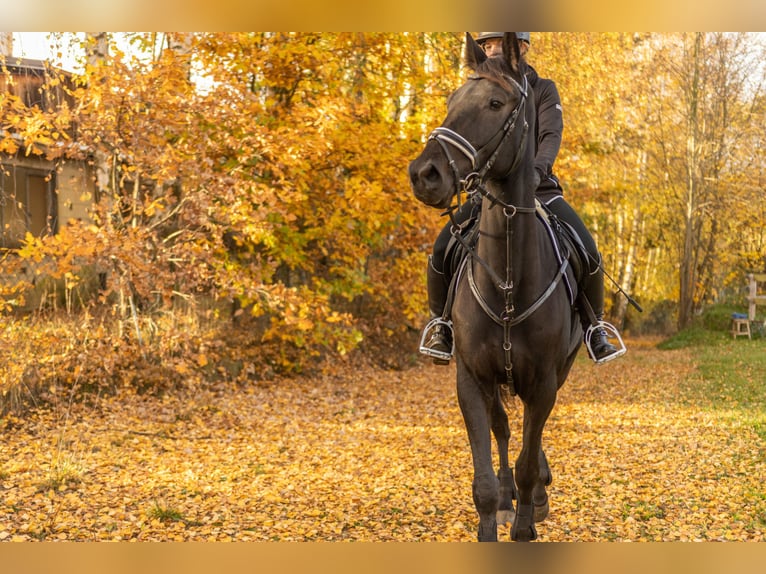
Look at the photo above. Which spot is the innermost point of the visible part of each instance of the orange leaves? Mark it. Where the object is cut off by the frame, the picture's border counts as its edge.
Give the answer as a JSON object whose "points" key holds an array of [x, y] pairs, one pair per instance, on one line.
{"points": [[22, 128], [295, 145], [356, 453]]}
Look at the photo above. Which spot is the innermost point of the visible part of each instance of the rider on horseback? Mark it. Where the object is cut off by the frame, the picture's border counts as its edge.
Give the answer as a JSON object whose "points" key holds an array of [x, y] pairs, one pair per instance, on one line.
{"points": [[437, 337]]}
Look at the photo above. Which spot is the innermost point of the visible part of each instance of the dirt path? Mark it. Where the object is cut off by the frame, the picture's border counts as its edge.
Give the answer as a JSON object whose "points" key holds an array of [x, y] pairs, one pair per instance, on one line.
{"points": [[379, 456]]}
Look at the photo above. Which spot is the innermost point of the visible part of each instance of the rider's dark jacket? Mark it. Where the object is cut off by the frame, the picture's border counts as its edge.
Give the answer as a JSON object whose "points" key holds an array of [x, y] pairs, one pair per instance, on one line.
{"points": [[548, 132], [550, 126]]}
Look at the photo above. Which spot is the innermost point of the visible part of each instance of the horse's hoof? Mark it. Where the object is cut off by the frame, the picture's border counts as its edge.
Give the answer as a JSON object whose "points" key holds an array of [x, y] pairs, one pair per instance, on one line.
{"points": [[527, 534], [541, 511], [487, 534], [524, 526], [506, 517]]}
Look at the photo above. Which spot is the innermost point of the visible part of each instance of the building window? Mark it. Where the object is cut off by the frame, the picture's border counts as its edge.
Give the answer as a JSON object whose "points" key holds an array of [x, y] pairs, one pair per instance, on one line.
{"points": [[26, 204]]}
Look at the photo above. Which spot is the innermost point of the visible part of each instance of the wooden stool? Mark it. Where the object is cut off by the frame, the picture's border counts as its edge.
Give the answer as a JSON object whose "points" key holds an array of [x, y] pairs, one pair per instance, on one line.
{"points": [[740, 325]]}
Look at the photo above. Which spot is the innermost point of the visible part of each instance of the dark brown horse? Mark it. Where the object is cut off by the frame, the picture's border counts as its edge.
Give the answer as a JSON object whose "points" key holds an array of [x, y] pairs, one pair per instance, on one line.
{"points": [[515, 327]]}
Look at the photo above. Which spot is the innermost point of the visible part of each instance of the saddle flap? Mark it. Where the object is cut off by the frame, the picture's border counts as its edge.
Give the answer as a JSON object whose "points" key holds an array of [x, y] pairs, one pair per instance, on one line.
{"points": [[566, 242]]}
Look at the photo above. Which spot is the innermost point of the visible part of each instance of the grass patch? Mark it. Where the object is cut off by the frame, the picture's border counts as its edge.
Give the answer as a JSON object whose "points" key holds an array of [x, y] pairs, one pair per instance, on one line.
{"points": [[64, 470], [737, 369], [694, 337], [730, 374], [165, 513]]}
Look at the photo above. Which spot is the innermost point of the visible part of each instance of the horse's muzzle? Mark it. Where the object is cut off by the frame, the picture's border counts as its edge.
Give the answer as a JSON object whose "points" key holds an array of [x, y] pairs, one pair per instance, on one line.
{"points": [[429, 182]]}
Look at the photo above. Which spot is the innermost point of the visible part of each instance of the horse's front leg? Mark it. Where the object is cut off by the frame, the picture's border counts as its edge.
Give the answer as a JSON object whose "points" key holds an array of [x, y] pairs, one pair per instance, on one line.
{"points": [[531, 473], [502, 432], [474, 405], [540, 494]]}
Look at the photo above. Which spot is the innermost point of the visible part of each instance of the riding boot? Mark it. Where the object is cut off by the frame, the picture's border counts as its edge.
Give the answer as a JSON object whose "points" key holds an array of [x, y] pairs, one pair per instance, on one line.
{"points": [[437, 338], [597, 331]]}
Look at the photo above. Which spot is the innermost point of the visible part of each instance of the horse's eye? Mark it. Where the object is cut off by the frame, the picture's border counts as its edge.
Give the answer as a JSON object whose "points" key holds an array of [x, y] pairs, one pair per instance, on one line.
{"points": [[495, 104]]}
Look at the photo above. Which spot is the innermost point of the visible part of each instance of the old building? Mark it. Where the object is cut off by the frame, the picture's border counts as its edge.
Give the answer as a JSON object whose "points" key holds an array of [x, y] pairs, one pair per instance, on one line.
{"points": [[38, 194]]}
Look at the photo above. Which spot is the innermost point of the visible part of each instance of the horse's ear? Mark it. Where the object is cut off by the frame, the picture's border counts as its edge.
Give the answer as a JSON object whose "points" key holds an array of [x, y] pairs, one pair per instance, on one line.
{"points": [[511, 51], [473, 55]]}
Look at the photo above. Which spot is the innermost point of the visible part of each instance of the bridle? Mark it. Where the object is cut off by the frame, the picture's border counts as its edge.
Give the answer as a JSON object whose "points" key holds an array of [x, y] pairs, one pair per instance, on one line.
{"points": [[474, 183]]}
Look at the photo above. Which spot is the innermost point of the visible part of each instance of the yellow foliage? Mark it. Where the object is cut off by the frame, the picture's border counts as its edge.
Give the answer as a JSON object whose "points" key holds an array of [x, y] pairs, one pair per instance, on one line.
{"points": [[355, 453], [271, 169]]}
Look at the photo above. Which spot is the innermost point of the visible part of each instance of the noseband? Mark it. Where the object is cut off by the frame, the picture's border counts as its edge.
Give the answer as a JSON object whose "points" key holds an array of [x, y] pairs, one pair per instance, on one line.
{"points": [[446, 137]]}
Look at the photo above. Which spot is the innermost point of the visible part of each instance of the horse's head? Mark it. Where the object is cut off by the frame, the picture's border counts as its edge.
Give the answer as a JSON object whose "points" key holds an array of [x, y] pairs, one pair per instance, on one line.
{"points": [[481, 134]]}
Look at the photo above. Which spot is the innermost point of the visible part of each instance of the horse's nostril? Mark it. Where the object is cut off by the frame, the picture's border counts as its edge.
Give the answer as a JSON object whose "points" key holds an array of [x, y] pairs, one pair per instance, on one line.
{"points": [[429, 174], [413, 177], [426, 174]]}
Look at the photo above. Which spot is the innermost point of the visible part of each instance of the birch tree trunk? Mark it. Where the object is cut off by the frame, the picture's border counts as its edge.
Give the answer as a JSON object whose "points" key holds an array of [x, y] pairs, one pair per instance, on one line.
{"points": [[97, 52], [6, 44]]}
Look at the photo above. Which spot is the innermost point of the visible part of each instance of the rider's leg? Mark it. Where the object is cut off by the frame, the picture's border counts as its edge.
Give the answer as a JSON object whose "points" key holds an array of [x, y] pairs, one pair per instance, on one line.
{"points": [[594, 326], [596, 333], [437, 336], [436, 341]]}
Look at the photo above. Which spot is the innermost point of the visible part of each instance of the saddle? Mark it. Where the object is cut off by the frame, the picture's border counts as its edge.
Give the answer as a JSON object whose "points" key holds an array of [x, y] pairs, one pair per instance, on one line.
{"points": [[565, 241]]}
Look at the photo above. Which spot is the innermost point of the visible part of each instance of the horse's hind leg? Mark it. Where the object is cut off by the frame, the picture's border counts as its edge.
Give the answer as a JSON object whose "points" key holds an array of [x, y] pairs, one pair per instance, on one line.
{"points": [[476, 414], [505, 510]]}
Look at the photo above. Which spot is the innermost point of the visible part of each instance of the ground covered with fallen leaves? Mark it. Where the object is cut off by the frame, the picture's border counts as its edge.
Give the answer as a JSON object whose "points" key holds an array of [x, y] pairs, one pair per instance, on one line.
{"points": [[356, 453]]}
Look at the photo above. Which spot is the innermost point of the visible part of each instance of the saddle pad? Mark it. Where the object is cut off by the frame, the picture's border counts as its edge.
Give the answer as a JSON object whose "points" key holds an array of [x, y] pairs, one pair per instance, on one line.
{"points": [[564, 239]]}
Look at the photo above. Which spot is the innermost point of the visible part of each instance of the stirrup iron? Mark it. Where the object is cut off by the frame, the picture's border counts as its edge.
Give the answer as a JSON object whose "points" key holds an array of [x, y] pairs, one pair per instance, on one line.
{"points": [[433, 353], [611, 332]]}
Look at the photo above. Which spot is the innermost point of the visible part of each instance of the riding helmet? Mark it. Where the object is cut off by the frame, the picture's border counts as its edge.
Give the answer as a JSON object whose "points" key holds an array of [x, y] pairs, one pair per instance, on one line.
{"points": [[484, 36]]}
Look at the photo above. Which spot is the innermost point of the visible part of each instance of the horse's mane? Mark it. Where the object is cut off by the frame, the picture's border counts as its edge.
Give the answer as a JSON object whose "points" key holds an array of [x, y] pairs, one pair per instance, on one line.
{"points": [[498, 70]]}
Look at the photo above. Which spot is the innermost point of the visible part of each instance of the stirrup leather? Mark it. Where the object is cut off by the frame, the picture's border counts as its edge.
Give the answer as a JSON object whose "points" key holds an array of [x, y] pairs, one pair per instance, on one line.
{"points": [[436, 354], [611, 333]]}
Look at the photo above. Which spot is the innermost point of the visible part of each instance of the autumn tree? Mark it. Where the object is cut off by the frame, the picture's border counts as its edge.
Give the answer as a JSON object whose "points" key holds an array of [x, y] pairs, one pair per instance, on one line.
{"points": [[318, 167], [748, 237], [628, 98], [265, 168], [603, 160], [706, 85]]}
